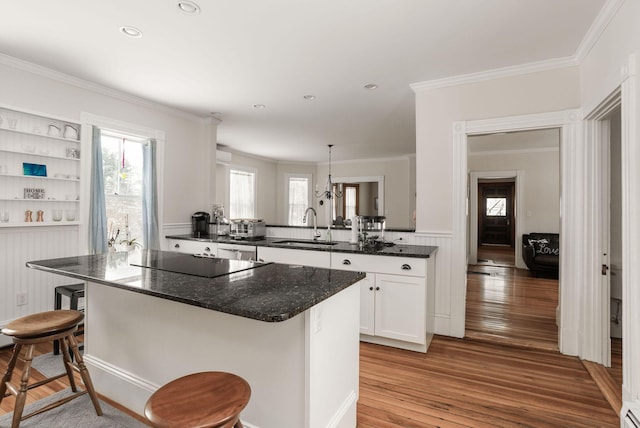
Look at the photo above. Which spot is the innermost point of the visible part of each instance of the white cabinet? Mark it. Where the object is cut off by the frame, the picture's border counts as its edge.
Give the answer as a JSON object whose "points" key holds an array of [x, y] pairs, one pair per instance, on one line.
{"points": [[39, 170], [400, 308], [290, 256], [368, 304], [193, 247], [396, 298]]}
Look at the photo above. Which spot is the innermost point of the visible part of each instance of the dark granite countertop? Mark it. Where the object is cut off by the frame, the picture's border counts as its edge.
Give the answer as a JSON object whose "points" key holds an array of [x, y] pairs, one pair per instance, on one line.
{"points": [[264, 291], [416, 251]]}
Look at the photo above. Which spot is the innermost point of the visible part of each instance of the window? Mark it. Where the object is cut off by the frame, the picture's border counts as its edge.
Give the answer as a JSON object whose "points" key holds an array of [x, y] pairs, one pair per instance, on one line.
{"points": [[350, 200], [496, 207], [298, 187], [242, 193], [122, 166]]}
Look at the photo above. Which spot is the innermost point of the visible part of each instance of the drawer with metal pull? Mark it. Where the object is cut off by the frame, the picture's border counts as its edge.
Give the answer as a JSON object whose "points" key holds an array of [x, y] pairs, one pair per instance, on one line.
{"points": [[379, 264]]}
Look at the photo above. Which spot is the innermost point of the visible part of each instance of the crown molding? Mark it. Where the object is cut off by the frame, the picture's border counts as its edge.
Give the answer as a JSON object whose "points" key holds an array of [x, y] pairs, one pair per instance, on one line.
{"points": [[598, 26], [515, 70], [95, 87]]}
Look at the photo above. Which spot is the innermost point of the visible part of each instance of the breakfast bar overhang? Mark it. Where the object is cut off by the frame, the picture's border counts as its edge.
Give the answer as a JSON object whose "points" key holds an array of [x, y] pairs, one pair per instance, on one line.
{"points": [[291, 331]]}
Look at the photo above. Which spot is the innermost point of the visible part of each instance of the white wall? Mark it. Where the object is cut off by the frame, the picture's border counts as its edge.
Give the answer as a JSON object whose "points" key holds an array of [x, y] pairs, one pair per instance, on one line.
{"points": [[612, 62], [186, 135], [541, 209], [436, 111], [34, 89]]}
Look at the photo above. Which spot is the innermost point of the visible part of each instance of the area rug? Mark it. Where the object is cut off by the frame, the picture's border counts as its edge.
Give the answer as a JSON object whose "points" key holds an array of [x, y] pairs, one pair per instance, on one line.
{"points": [[48, 364], [79, 413]]}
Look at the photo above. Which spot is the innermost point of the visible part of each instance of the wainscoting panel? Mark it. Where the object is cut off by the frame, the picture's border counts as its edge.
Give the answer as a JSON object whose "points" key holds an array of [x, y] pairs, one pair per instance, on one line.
{"points": [[18, 245]]}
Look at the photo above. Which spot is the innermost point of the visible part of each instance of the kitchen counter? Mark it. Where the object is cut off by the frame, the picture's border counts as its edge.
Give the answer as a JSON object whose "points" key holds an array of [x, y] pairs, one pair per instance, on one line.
{"points": [[262, 291], [417, 251], [146, 326]]}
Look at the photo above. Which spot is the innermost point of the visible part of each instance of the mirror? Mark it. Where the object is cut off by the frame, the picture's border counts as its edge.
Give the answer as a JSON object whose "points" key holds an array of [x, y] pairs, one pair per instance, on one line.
{"points": [[358, 196]]}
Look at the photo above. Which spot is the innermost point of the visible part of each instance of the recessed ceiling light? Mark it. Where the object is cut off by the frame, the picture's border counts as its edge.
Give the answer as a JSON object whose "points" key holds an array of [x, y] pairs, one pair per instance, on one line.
{"points": [[189, 7], [309, 97], [371, 86], [259, 106], [131, 31]]}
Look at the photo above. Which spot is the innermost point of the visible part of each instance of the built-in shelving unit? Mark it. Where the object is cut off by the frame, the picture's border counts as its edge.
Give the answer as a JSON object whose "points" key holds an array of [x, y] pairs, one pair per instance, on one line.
{"points": [[39, 156]]}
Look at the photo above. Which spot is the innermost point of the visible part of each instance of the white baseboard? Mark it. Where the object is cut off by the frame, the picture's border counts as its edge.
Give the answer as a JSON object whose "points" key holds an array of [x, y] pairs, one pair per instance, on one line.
{"points": [[345, 417], [108, 378]]}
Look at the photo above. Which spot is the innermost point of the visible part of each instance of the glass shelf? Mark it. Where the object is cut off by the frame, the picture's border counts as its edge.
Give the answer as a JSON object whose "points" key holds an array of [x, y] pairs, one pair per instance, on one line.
{"points": [[39, 200], [19, 131], [40, 178], [40, 223], [42, 155]]}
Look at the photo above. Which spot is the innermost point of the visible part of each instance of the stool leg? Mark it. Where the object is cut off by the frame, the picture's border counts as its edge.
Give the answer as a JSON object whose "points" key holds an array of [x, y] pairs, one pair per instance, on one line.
{"points": [[84, 373], [9, 373], [24, 386], [238, 424], [67, 363], [57, 305]]}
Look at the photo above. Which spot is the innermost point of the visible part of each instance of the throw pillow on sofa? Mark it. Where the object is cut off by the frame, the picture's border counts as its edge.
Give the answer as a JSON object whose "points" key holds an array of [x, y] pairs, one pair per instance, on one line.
{"points": [[542, 247]]}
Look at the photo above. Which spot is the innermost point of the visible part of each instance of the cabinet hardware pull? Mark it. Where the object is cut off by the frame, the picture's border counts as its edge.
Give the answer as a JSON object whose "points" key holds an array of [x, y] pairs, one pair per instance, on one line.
{"points": [[377, 288], [371, 288], [346, 262], [406, 267], [176, 246], [207, 249]]}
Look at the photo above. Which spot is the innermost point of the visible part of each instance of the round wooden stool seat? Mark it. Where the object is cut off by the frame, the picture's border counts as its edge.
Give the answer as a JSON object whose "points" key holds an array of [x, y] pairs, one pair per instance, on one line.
{"points": [[43, 324], [206, 399], [27, 332]]}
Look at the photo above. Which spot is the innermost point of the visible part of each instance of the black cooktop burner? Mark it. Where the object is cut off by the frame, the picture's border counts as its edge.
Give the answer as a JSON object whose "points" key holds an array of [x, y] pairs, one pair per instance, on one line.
{"points": [[207, 267]]}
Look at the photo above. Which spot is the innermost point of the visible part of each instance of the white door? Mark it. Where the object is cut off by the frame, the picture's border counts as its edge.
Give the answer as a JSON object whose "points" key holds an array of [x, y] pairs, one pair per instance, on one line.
{"points": [[400, 308], [367, 304]]}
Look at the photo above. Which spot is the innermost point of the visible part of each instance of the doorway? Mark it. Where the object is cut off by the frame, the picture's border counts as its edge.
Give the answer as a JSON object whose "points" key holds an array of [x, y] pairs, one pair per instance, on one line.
{"points": [[504, 303]]}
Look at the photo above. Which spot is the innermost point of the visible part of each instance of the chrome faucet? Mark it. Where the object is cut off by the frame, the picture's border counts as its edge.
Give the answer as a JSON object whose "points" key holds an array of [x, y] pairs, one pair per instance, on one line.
{"points": [[316, 234]]}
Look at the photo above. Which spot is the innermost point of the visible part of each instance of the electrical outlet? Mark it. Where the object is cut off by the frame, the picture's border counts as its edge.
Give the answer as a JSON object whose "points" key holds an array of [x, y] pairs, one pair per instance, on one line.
{"points": [[21, 299]]}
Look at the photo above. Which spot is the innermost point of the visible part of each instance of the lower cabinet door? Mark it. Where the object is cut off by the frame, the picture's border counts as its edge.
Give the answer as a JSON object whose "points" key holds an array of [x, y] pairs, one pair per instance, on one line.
{"points": [[400, 308], [367, 304]]}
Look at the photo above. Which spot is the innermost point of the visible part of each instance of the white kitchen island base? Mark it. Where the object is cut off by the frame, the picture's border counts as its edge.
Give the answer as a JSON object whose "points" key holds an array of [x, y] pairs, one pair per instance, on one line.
{"points": [[303, 371]]}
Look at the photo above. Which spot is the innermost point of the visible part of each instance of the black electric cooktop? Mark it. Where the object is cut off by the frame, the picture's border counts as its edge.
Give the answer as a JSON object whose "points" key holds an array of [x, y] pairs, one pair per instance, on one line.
{"points": [[207, 267]]}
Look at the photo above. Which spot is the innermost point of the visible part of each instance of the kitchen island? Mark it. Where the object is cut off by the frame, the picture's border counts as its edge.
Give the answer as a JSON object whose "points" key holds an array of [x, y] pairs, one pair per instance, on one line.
{"points": [[290, 331]]}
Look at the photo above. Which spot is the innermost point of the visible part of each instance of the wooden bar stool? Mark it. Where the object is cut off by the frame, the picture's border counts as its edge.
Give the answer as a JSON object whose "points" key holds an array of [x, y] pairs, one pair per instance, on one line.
{"points": [[38, 328], [74, 292], [202, 400]]}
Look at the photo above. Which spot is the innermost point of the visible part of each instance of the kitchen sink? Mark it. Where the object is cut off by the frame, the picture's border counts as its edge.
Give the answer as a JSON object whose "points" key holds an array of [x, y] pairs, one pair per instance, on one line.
{"points": [[304, 243]]}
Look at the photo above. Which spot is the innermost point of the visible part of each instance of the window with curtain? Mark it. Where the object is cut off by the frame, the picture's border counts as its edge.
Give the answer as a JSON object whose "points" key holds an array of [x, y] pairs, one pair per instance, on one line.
{"points": [[122, 166], [298, 198], [350, 200], [242, 193]]}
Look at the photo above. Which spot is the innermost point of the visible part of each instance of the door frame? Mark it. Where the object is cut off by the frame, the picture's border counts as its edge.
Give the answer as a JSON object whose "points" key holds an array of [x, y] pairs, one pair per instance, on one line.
{"points": [[572, 221], [474, 176]]}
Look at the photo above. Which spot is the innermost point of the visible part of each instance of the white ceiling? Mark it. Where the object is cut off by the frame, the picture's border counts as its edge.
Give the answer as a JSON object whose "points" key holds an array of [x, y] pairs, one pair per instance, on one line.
{"points": [[237, 53]]}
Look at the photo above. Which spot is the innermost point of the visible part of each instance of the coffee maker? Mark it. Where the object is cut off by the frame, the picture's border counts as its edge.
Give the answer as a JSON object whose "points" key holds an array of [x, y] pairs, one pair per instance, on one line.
{"points": [[200, 224]]}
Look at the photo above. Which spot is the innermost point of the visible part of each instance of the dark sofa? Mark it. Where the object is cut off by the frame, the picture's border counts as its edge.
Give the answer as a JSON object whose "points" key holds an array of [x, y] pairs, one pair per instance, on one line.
{"points": [[541, 253]]}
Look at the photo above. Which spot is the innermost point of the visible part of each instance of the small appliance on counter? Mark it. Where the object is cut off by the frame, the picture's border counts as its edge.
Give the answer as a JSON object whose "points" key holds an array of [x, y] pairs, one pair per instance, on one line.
{"points": [[200, 224], [247, 228], [220, 224]]}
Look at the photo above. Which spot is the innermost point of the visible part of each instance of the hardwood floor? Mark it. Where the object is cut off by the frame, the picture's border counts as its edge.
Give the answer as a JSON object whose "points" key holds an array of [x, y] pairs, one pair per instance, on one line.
{"points": [[506, 306], [469, 383], [496, 255], [506, 372]]}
